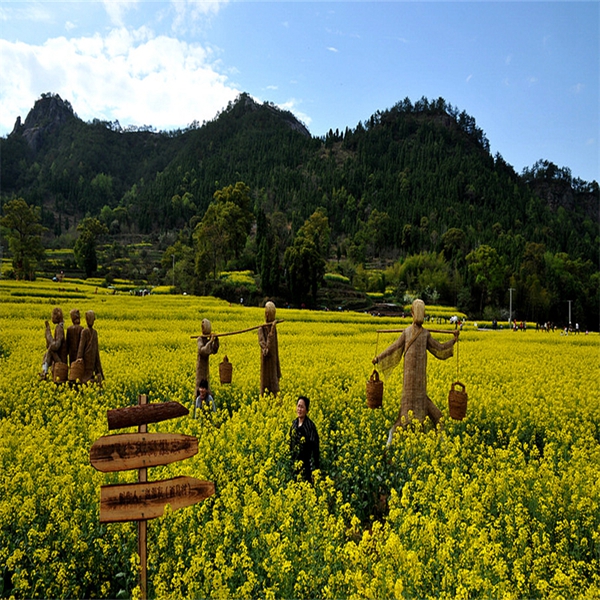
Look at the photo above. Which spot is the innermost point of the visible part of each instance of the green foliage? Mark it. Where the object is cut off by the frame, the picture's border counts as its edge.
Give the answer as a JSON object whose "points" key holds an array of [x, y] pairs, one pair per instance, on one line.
{"points": [[336, 277], [90, 230], [222, 233], [485, 264], [304, 259], [24, 232]]}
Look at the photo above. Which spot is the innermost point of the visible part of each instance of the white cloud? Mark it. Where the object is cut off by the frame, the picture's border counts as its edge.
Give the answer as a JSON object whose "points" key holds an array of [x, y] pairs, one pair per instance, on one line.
{"points": [[578, 88], [190, 12], [127, 75], [35, 12], [332, 49], [116, 10], [469, 78]]}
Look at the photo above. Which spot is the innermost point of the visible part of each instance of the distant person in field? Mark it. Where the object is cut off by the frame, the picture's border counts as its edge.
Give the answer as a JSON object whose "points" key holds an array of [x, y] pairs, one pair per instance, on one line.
{"points": [[207, 345], [414, 343], [203, 397], [56, 346], [270, 369], [304, 441], [74, 335], [89, 351]]}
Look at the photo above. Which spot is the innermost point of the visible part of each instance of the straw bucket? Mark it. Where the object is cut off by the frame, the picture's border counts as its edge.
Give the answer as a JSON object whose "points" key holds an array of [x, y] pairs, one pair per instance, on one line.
{"points": [[225, 370], [374, 390], [457, 401], [76, 371], [59, 372]]}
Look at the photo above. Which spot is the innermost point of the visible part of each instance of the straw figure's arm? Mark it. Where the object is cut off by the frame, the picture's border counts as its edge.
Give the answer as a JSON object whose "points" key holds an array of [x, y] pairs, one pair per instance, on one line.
{"points": [[431, 330], [211, 346], [265, 339], [54, 343], [442, 350], [391, 356]]}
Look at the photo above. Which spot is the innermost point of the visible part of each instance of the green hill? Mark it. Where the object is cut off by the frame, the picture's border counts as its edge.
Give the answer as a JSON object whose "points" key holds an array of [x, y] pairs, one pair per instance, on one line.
{"points": [[414, 179]]}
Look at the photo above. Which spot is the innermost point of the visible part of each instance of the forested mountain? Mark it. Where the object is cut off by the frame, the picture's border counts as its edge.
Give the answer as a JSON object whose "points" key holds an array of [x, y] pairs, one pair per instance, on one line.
{"points": [[413, 190]]}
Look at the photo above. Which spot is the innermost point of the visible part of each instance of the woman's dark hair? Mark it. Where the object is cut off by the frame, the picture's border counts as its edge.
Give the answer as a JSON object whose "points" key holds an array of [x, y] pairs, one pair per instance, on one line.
{"points": [[203, 384], [306, 401]]}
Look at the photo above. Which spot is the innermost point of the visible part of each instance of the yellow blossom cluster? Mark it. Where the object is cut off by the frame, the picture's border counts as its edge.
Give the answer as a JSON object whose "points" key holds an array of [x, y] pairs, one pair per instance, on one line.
{"points": [[505, 503]]}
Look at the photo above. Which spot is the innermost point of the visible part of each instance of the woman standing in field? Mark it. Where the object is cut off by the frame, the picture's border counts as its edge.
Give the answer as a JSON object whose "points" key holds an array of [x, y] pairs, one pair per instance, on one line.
{"points": [[304, 441], [414, 343]]}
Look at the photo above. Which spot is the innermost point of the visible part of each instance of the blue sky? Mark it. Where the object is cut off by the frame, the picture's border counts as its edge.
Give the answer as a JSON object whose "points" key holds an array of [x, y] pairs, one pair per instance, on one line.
{"points": [[528, 72]]}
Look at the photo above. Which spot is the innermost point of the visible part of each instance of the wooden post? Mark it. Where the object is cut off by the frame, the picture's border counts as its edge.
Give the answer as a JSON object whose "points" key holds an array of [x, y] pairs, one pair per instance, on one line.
{"points": [[143, 525]]}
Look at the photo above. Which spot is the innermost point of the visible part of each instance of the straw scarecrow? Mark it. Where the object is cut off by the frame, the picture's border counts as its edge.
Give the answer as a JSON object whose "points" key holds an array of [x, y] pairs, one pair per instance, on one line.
{"points": [[74, 335], [89, 351], [413, 344], [270, 369], [207, 345], [56, 347]]}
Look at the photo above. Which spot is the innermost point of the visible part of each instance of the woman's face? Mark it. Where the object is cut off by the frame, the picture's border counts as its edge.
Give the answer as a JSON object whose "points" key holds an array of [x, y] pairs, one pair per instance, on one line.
{"points": [[301, 409]]}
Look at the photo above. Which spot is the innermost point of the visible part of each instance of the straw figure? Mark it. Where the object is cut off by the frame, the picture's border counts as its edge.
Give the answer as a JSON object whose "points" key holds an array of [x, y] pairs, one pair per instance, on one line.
{"points": [[89, 351], [207, 345], [270, 369], [74, 335], [56, 347], [414, 343]]}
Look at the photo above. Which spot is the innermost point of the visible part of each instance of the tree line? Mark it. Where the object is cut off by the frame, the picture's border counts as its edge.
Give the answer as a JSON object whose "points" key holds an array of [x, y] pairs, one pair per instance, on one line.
{"points": [[411, 196]]}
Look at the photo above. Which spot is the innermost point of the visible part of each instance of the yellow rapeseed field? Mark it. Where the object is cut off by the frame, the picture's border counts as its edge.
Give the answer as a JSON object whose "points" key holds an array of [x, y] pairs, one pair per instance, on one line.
{"points": [[505, 504]]}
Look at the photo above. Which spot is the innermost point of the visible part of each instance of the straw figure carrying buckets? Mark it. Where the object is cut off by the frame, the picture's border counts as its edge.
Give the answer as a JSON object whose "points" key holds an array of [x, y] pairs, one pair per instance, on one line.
{"points": [[270, 369], [414, 343], [207, 345]]}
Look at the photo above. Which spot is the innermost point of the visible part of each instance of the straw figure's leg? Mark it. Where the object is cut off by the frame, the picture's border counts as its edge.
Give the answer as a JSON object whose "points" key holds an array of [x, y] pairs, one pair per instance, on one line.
{"points": [[402, 421], [433, 412]]}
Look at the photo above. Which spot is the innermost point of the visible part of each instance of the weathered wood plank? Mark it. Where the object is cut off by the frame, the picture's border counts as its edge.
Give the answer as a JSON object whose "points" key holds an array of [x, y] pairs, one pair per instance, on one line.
{"points": [[137, 450], [142, 501], [144, 413]]}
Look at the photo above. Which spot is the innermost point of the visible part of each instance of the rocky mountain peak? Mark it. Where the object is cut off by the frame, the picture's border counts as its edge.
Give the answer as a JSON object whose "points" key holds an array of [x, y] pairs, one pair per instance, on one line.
{"points": [[48, 114]]}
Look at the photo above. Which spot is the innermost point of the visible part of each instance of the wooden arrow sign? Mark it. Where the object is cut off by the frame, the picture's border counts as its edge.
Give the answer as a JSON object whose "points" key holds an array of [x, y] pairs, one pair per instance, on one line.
{"points": [[138, 450], [144, 413], [142, 501]]}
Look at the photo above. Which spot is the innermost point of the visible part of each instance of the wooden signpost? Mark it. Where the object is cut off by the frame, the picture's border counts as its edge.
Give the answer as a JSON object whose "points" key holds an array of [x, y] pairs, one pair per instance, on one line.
{"points": [[142, 501], [137, 450], [146, 499]]}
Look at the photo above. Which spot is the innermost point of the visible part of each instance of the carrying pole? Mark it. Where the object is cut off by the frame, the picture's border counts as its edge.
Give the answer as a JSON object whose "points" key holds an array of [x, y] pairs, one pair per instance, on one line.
{"points": [[401, 330], [220, 335]]}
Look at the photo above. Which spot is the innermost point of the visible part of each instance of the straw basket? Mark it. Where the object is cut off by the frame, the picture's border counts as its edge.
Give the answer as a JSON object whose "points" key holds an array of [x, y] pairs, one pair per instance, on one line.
{"points": [[457, 401], [76, 371], [374, 390], [225, 370], [59, 372]]}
